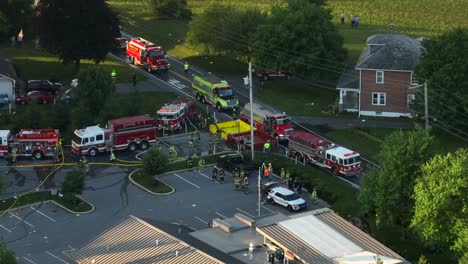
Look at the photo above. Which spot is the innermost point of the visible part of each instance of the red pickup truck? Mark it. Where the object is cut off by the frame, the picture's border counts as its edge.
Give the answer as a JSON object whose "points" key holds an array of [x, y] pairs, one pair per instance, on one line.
{"points": [[37, 97]]}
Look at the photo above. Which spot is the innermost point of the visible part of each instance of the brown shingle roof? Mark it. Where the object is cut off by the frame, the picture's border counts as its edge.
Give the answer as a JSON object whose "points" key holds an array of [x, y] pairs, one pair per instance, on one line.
{"points": [[134, 241]]}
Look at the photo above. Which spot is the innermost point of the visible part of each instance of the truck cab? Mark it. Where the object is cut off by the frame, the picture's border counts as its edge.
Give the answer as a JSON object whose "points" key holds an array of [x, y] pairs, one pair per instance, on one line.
{"points": [[142, 52], [4, 135], [172, 116], [279, 125], [90, 140], [215, 92], [342, 161]]}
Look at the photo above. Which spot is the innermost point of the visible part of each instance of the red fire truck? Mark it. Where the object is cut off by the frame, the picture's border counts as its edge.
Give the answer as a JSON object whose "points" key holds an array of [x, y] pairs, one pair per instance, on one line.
{"points": [[275, 124], [35, 143], [142, 52], [172, 116], [124, 133], [309, 148]]}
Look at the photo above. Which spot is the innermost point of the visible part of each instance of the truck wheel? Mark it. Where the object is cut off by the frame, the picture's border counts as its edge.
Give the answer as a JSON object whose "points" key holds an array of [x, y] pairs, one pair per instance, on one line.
{"points": [[132, 146], [334, 171], [218, 107], [290, 208], [38, 155], [92, 152], [144, 145]]}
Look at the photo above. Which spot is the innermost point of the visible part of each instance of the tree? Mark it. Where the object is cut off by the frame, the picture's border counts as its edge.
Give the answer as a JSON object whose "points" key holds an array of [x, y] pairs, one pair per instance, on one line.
{"points": [[6, 255], [444, 64], [297, 38], [223, 28], [172, 8], [388, 189], [74, 182], [441, 201], [14, 16], [94, 89], [77, 29], [154, 162]]}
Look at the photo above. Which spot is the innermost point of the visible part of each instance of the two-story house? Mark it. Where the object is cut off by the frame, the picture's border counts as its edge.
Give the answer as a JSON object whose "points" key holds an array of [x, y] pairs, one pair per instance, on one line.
{"points": [[382, 81]]}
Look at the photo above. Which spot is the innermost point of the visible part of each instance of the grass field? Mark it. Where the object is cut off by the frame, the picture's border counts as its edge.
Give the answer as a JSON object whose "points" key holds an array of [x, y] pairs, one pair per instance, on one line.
{"points": [[32, 64], [151, 183]]}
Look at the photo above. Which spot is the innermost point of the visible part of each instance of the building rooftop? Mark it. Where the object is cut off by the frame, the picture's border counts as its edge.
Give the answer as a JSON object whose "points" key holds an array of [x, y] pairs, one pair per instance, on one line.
{"points": [[390, 52], [321, 236], [135, 241]]}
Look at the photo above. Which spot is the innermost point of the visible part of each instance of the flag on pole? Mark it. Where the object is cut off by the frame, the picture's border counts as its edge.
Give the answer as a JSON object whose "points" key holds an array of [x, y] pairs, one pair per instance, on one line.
{"points": [[20, 35]]}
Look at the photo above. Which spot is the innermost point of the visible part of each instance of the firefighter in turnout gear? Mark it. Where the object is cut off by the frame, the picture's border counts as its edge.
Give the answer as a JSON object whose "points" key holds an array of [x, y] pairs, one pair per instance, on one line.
{"points": [[283, 174], [210, 142], [201, 165], [314, 196], [236, 173], [214, 174], [190, 142], [190, 163], [242, 174], [237, 182], [221, 175], [14, 154], [84, 165], [112, 156], [287, 177], [245, 184]]}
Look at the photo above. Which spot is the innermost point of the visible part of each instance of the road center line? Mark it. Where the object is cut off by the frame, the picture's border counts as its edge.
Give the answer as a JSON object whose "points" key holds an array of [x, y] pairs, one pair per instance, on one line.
{"points": [[41, 213], [21, 219], [223, 216], [178, 176], [56, 257], [5, 228], [199, 219], [242, 211], [30, 261]]}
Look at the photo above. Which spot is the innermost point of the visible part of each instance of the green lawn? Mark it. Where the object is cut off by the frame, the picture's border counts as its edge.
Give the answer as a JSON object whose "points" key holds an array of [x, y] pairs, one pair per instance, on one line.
{"points": [[71, 202], [302, 99], [367, 141], [33, 64], [151, 183]]}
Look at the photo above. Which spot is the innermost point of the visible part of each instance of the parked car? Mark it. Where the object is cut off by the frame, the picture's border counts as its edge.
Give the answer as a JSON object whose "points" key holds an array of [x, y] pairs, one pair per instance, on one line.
{"points": [[286, 198], [4, 100], [68, 96], [43, 86], [37, 97]]}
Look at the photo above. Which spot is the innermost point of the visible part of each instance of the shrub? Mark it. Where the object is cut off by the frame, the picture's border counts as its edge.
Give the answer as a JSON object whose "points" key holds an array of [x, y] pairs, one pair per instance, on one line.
{"points": [[73, 183], [155, 162]]}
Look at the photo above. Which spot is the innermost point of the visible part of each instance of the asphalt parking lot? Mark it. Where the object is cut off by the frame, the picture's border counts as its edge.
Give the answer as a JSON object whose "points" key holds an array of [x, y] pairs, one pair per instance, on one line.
{"points": [[41, 234]]}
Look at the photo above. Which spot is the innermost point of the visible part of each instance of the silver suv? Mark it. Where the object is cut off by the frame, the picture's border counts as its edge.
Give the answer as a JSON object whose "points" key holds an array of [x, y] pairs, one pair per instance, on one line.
{"points": [[286, 198]]}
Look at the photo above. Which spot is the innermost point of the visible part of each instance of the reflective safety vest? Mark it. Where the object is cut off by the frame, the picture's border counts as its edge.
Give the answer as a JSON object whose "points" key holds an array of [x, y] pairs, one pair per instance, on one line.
{"points": [[113, 74], [190, 162], [112, 156], [266, 145], [186, 66], [201, 162], [266, 173], [221, 173]]}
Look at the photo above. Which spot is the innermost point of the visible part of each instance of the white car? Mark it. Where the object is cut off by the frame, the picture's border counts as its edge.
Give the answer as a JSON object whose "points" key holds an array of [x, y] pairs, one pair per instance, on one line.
{"points": [[286, 198]]}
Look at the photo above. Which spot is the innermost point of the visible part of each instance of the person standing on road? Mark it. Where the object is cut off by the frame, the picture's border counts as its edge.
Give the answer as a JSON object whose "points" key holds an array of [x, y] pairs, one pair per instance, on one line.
{"points": [[291, 184], [295, 184], [186, 67], [221, 175], [246, 184], [266, 147], [201, 165], [214, 174], [14, 154], [241, 143], [112, 156], [342, 17], [314, 196], [266, 174], [299, 186], [190, 163], [283, 174], [237, 183], [134, 78], [210, 142]]}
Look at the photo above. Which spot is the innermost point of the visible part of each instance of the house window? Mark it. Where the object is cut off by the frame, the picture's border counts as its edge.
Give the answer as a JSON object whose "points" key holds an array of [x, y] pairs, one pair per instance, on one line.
{"points": [[411, 98], [379, 77], [378, 98], [414, 81]]}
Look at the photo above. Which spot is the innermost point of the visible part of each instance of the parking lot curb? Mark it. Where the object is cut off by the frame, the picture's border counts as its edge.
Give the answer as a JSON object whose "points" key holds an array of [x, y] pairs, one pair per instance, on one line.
{"points": [[146, 189], [59, 205]]}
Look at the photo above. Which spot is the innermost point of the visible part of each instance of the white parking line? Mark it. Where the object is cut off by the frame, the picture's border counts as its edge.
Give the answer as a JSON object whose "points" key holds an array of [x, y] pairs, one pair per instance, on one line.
{"points": [[242, 211], [21, 219], [199, 219], [30, 261], [223, 216], [266, 208], [5, 228], [178, 176], [56, 257], [41, 213]]}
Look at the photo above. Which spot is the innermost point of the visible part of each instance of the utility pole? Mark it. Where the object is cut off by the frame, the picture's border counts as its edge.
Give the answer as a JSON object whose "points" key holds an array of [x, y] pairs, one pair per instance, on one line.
{"points": [[251, 112], [426, 106]]}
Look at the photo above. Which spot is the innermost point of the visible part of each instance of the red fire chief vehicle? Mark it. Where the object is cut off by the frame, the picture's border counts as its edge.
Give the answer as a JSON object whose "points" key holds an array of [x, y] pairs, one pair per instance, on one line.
{"points": [[34, 143], [151, 57], [123, 133], [309, 148], [172, 116]]}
